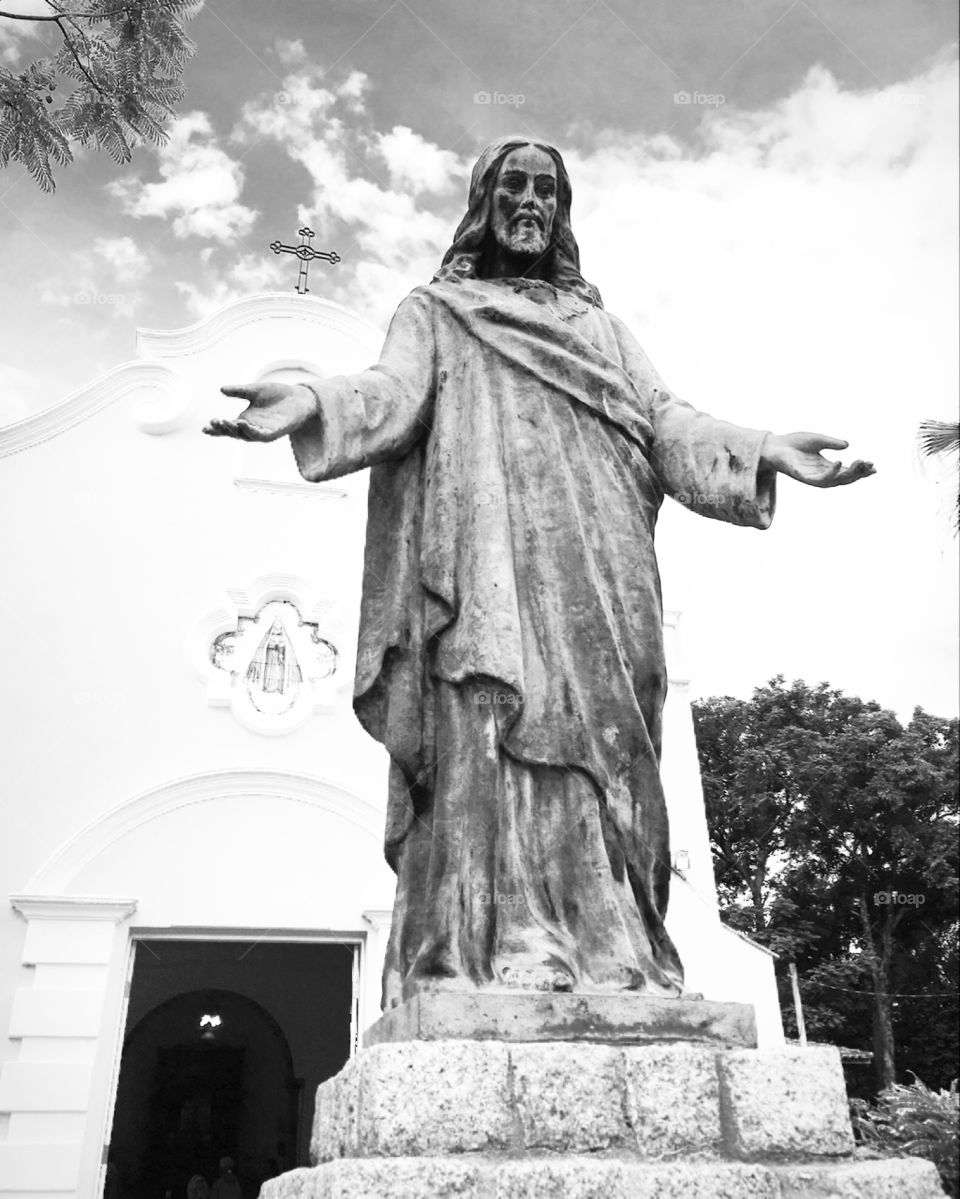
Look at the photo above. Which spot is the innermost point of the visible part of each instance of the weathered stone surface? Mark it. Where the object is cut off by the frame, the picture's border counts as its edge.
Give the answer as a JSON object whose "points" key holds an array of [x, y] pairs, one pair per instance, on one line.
{"points": [[569, 1097], [573, 1177], [585, 1178], [579, 1177], [588, 1121], [335, 1115], [442, 1097], [295, 1184], [896, 1178], [621, 1019], [672, 1095], [436, 1098], [382, 1178], [784, 1103]]}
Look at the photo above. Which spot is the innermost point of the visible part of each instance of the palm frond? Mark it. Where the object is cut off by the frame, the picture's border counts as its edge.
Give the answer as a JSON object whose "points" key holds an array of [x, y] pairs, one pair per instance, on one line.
{"points": [[939, 437]]}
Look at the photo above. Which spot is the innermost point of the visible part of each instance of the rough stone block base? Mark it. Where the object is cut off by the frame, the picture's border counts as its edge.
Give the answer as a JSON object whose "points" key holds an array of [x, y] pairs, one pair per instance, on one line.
{"points": [[444, 1097], [572, 1177], [420, 1119], [434, 1098], [780, 1103]]}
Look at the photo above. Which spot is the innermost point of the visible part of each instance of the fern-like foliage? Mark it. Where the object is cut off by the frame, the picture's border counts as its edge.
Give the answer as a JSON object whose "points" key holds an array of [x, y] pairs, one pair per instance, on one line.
{"points": [[121, 62], [916, 1121]]}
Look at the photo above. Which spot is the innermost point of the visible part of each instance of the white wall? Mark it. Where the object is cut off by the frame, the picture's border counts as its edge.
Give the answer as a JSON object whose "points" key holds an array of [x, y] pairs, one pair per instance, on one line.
{"points": [[116, 543], [718, 963], [126, 526]]}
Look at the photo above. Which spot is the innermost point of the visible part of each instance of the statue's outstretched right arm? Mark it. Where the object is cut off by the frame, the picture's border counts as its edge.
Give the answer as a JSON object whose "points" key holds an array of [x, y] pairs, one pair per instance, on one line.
{"points": [[348, 422]]}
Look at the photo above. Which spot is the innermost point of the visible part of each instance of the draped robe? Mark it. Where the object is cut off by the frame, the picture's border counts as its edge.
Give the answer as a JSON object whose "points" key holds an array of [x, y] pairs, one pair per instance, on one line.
{"points": [[510, 654]]}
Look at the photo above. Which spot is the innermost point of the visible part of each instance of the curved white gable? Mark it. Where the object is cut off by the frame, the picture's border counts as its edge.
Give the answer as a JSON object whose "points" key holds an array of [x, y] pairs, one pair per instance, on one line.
{"points": [[129, 379], [152, 380], [273, 305]]}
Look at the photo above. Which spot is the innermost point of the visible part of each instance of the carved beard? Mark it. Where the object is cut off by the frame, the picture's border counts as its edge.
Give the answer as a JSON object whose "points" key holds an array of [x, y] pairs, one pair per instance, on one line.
{"points": [[526, 241]]}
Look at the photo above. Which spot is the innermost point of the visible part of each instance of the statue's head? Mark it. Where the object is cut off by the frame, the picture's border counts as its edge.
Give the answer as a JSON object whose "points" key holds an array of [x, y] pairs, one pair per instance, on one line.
{"points": [[520, 199]]}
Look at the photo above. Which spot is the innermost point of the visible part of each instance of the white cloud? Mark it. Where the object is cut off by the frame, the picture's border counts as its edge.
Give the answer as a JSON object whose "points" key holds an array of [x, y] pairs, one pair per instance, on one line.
{"points": [[104, 278], [14, 34], [418, 165], [353, 86], [80, 285], [200, 189], [248, 273], [392, 189], [291, 52], [799, 272], [128, 261]]}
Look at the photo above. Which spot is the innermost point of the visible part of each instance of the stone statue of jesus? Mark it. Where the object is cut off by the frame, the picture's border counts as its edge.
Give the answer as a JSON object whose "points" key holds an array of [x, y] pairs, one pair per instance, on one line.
{"points": [[511, 654]]}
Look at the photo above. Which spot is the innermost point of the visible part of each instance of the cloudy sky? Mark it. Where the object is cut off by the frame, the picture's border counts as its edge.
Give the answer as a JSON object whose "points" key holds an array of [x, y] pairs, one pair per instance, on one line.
{"points": [[765, 191]]}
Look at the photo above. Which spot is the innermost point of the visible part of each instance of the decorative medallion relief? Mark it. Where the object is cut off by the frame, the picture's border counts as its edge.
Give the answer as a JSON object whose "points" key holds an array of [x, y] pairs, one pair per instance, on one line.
{"points": [[273, 660], [271, 655]]}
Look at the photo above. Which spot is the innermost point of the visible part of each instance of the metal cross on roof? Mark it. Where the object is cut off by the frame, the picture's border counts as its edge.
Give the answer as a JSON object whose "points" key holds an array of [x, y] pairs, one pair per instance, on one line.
{"points": [[306, 253]]}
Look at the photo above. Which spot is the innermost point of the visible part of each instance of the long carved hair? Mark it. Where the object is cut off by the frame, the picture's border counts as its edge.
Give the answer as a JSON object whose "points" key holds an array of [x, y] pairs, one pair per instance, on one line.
{"points": [[471, 243]]}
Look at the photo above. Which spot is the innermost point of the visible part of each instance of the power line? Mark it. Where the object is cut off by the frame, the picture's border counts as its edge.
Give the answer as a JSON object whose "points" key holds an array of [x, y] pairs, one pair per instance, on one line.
{"points": [[888, 994]]}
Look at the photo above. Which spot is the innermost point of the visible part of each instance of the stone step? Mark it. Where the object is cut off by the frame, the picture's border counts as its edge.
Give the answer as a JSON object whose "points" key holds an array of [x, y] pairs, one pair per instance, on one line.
{"points": [[435, 1098], [579, 1177]]}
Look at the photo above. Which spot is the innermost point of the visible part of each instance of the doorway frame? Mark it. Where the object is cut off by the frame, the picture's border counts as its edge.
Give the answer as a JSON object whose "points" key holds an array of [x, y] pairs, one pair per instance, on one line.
{"points": [[358, 940]]}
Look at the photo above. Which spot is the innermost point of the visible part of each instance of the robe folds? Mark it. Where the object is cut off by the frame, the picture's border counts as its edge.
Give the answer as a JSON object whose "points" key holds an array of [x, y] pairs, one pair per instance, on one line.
{"points": [[510, 654]]}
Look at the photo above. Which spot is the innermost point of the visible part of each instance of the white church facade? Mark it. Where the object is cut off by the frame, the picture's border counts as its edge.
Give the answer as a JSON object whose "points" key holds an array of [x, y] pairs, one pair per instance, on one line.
{"points": [[194, 901]]}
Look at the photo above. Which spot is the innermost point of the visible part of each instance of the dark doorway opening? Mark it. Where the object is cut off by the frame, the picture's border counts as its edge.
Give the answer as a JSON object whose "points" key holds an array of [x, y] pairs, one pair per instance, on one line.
{"points": [[224, 1047]]}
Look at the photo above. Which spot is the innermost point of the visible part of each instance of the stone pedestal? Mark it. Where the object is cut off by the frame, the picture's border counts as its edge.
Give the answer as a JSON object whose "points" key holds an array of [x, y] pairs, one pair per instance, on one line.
{"points": [[550, 1016], [612, 1114]]}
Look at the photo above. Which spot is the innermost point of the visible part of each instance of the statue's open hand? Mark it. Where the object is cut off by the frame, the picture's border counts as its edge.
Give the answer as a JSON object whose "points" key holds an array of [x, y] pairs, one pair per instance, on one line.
{"points": [[798, 455], [275, 410]]}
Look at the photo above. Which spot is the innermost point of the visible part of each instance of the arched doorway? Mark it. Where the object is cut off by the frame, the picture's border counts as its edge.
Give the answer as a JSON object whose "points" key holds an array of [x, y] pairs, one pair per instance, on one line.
{"points": [[207, 1071], [205, 1075]]}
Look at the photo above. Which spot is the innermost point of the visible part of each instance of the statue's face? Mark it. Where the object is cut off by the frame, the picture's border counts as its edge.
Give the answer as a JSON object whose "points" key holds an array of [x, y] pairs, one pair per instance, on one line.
{"points": [[525, 202]]}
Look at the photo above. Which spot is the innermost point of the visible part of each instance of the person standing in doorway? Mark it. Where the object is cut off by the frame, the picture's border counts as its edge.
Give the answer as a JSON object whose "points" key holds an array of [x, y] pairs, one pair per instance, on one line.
{"points": [[227, 1185]]}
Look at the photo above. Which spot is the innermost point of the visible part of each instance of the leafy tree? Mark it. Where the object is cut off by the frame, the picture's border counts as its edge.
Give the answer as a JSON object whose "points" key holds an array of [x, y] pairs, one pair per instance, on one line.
{"points": [[834, 831], [881, 822], [122, 60], [747, 795]]}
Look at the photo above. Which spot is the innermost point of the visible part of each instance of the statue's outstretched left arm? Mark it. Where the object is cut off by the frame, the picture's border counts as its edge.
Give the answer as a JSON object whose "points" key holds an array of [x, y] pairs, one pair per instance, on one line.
{"points": [[719, 469], [798, 455]]}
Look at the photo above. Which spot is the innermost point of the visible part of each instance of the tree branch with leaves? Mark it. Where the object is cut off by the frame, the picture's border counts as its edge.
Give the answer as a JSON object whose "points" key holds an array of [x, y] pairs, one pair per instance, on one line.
{"points": [[122, 62]]}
